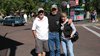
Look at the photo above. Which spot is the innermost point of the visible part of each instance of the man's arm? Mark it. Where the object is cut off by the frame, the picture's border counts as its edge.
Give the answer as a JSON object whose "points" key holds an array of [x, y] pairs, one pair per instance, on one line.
{"points": [[70, 21], [34, 33], [34, 28]]}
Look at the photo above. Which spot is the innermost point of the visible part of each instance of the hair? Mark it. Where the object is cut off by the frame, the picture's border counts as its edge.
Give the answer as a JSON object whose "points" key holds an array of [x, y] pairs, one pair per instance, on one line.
{"points": [[64, 14]]}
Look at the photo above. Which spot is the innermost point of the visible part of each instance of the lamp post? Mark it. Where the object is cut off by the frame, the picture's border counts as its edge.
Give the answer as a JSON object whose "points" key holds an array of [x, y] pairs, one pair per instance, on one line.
{"points": [[68, 7]]}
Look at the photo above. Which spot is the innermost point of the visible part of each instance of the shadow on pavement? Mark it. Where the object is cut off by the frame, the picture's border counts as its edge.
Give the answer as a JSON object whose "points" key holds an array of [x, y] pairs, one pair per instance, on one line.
{"points": [[35, 54], [27, 29], [5, 44]]}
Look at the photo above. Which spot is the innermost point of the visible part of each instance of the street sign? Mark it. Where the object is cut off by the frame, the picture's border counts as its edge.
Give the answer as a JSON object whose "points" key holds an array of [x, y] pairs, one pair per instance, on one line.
{"points": [[77, 2]]}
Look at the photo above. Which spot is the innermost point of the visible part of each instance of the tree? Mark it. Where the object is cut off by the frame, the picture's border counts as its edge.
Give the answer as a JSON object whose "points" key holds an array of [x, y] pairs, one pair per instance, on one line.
{"points": [[7, 6], [92, 5]]}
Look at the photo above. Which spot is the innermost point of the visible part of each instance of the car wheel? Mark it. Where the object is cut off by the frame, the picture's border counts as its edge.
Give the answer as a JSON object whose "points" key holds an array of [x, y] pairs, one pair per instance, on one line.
{"points": [[22, 24], [13, 24]]}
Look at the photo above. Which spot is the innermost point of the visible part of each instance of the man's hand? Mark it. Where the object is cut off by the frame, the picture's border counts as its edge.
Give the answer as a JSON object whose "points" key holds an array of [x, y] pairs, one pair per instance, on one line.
{"points": [[69, 21], [34, 33]]}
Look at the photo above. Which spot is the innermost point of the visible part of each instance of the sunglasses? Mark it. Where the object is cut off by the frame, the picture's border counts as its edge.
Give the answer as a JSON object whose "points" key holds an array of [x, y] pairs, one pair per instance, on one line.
{"points": [[54, 9]]}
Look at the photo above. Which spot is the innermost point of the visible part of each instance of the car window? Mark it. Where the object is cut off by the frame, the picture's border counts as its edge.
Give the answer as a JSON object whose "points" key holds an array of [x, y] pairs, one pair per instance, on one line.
{"points": [[17, 17], [14, 18], [8, 18]]}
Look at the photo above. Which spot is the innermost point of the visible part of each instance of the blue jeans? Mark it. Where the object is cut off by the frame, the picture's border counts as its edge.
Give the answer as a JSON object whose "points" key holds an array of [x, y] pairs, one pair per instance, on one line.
{"points": [[54, 41], [67, 46]]}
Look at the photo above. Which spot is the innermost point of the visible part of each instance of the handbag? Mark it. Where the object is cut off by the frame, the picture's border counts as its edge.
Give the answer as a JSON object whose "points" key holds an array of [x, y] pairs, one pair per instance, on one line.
{"points": [[75, 37], [67, 32]]}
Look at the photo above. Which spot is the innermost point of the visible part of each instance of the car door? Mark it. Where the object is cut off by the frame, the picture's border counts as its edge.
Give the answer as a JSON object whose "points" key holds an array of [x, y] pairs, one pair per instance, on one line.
{"points": [[9, 21], [6, 21]]}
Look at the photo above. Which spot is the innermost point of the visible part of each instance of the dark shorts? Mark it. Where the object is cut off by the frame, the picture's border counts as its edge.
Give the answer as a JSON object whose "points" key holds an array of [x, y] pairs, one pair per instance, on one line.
{"points": [[41, 46]]}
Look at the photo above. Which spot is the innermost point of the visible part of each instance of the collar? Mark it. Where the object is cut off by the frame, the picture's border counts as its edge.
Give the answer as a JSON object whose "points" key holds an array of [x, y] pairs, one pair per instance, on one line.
{"points": [[40, 19]]}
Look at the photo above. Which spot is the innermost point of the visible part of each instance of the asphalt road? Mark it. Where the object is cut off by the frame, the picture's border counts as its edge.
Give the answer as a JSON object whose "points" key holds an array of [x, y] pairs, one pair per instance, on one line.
{"points": [[20, 41]]}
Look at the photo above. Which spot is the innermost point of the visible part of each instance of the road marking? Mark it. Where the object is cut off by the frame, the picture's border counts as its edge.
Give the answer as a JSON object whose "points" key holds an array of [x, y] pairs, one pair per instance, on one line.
{"points": [[94, 32], [96, 27]]}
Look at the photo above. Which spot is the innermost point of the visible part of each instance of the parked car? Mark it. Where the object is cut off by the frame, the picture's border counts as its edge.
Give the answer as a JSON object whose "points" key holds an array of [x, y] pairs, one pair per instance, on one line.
{"points": [[13, 21], [1, 20]]}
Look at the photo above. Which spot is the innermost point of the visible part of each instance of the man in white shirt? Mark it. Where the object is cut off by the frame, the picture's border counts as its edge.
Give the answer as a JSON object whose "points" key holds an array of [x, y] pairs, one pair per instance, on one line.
{"points": [[40, 32]]}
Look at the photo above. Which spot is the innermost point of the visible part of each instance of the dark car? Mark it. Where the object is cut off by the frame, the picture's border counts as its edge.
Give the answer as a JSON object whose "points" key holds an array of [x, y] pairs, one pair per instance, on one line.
{"points": [[1, 20], [13, 21]]}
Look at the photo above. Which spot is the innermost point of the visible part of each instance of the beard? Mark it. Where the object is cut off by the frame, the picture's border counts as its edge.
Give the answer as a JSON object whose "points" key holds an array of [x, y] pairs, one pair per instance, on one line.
{"points": [[54, 13]]}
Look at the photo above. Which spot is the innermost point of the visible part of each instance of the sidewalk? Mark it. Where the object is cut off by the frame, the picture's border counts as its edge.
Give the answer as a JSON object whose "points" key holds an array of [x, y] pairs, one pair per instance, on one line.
{"points": [[86, 22], [79, 23]]}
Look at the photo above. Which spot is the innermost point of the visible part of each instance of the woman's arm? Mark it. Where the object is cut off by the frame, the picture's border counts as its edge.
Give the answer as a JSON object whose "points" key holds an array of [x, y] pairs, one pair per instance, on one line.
{"points": [[73, 29]]}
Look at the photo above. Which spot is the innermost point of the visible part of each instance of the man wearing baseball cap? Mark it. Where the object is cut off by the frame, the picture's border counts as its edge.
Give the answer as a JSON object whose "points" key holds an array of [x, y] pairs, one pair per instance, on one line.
{"points": [[40, 32], [54, 29]]}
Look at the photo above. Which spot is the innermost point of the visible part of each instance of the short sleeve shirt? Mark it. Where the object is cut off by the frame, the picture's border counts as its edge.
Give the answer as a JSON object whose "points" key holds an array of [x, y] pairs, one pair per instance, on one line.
{"points": [[41, 28]]}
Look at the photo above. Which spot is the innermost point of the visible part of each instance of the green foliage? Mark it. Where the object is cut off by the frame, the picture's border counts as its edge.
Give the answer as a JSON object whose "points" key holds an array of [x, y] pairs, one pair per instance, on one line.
{"points": [[7, 6], [91, 5]]}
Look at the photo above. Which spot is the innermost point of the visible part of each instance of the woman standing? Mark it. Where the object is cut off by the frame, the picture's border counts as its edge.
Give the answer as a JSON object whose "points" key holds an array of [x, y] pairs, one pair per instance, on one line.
{"points": [[68, 30]]}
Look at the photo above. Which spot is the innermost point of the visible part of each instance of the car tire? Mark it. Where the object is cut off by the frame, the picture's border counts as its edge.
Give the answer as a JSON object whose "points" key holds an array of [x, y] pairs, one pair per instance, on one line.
{"points": [[13, 24], [23, 24]]}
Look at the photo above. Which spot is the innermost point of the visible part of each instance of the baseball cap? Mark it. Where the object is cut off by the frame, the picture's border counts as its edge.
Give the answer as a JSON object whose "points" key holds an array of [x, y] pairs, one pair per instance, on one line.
{"points": [[40, 9], [54, 6]]}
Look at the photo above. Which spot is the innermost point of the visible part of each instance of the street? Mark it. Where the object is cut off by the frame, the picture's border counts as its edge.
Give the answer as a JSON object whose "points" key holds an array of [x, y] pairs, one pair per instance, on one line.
{"points": [[88, 43]]}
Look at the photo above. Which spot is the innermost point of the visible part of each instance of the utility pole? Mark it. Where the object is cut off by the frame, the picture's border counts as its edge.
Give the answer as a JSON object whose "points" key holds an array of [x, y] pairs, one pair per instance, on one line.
{"points": [[68, 7]]}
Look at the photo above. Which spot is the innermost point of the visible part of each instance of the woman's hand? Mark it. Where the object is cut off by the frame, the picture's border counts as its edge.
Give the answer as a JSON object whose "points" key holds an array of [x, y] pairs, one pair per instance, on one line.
{"points": [[71, 36], [62, 27]]}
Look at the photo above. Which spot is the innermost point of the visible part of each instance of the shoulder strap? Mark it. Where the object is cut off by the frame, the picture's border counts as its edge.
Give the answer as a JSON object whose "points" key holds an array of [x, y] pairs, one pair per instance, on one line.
{"points": [[66, 23]]}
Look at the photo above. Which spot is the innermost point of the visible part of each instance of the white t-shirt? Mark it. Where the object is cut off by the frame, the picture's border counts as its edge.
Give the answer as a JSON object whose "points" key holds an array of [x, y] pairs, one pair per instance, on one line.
{"points": [[41, 28]]}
